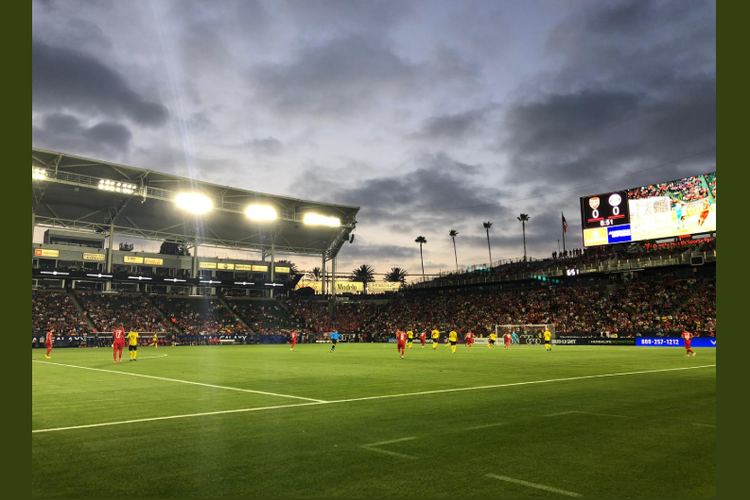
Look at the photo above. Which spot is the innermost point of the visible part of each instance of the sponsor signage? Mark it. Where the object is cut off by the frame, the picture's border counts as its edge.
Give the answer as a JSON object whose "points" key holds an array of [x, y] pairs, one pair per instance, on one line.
{"points": [[207, 265], [350, 287], [594, 237], [619, 234], [41, 252], [675, 342], [260, 269], [243, 267], [97, 257], [224, 265], [153, 262], [129, 259], [383, 286], [280, 269]]}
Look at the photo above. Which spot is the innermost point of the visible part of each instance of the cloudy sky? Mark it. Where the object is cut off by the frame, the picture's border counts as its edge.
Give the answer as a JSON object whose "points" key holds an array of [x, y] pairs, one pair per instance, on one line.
{"points": [[430, 115]]}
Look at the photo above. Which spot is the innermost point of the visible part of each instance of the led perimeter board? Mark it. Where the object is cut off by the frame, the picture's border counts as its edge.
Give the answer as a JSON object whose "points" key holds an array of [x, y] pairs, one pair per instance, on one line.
{"points": [[681, 207]]}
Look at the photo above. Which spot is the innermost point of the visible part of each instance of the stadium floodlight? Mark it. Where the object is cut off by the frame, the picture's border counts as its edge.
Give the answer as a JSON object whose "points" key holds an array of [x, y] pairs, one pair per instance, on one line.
{"points": [[260, 212], [321, 220], [194, 202], [117, 186], [38, 174]]}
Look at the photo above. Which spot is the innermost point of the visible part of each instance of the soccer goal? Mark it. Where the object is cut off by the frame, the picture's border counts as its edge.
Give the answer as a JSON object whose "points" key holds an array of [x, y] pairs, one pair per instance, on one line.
{"points": [[527, 333]]}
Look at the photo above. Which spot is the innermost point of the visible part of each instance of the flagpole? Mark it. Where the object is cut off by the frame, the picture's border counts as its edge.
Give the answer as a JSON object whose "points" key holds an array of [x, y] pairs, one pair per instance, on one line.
{"points": [[563, 230]]}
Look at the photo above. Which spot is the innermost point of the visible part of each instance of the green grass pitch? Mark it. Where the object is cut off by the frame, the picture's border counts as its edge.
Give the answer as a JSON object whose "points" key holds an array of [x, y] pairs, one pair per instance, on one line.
{"points": [[362, 422]]}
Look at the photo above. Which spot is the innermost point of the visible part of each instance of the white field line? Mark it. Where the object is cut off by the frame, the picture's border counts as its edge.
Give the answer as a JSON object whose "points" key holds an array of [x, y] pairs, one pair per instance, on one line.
{"points": [[535, 485], [318, 402], [487, 426], [372, 447], [152, 357], [482, 387], [706, 425], [172, 417], [237, 389], [585, 413]]}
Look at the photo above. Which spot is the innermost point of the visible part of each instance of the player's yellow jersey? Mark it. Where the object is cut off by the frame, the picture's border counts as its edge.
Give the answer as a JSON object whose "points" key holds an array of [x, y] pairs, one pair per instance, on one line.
{"points": [[156, 337], [133, 338], [436, 334], [547, 336], [453, 336], [493, 336], [410, 334]]}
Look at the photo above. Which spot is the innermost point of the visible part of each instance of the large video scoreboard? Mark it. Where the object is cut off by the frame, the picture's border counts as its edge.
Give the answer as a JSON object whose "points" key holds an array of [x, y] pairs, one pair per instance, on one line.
{"points": [[680, 207]]}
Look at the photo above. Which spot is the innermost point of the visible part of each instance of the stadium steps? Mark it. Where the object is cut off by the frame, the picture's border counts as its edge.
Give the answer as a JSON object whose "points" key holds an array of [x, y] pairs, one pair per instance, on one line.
{"points": [[80, 309], [237, 316]]}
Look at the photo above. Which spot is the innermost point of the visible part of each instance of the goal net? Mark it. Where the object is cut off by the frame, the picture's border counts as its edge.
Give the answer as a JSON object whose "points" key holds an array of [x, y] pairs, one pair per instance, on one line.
{"points": [[526, 333]]}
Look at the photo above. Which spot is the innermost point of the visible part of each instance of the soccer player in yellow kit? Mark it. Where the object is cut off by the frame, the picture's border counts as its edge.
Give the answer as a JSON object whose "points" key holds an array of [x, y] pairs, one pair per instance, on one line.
{"points": [[133, 345], [493, 338], [410, 335], [547, 339], [435, 338], [453, 338], [155, 341]]}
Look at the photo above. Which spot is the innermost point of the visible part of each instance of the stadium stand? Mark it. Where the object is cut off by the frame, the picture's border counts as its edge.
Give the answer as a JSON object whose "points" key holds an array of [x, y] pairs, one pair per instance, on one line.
{"points": [[55, 309]]}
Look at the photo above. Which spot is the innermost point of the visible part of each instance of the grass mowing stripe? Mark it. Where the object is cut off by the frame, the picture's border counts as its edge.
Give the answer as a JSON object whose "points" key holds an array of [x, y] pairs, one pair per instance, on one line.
{"points": [[316, 402], [535, 485], [227, 388]]}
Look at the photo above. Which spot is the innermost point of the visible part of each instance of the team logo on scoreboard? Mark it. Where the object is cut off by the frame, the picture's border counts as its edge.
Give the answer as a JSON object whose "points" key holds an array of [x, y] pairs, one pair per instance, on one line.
{"points": [[594, 202], [615, 199]]}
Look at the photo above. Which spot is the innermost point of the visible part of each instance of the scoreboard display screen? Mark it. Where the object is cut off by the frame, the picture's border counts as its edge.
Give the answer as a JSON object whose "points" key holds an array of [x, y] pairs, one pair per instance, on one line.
{"points": [[608, 209], [676, 208]]}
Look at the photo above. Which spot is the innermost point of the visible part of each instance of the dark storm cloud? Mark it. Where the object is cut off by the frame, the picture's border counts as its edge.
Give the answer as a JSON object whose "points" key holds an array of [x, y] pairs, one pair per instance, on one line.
{"points": [[66, 79], [638, 88], [64, 132], [455, 127], [349, 75]]}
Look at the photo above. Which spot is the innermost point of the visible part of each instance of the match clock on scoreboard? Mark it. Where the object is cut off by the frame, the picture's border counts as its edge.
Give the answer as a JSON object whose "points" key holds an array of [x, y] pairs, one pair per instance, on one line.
{"points": [[605, 210]]}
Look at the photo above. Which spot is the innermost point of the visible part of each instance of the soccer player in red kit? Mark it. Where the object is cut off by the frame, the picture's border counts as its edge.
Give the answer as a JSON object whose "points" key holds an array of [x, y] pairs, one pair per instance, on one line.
{"points": [[423, 337], [508, 337], [294, 340], [469, 339], [118, 337], [687, 336], [48, 341], [401, 342]]}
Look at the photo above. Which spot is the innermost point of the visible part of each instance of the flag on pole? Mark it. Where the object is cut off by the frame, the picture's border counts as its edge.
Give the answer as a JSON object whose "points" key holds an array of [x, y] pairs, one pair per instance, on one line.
{"points": [[564, 224]]}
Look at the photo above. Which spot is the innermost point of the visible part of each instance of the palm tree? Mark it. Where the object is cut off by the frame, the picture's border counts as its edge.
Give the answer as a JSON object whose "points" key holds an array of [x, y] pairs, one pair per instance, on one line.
{"points": [[421, 240], [316, 274], [364, 274], [453, 233], [524, 218], [396, 275], [487, 226]]}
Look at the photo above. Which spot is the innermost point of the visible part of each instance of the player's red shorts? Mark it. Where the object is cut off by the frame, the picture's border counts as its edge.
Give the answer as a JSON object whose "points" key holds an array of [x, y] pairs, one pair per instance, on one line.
{"points": [[118, 345], [400, 345], [470, 341], [47, 345], [687, 344]]}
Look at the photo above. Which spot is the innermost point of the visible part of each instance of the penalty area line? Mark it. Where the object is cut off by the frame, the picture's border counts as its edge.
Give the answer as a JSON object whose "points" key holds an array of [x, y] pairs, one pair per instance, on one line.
{"points": [[535, 485], [164, 379], [372, 447]]}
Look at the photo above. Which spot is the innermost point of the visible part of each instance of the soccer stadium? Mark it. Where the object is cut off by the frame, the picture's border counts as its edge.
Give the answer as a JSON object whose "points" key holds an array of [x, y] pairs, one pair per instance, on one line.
{"points": [[564, 376], [375, 249]]}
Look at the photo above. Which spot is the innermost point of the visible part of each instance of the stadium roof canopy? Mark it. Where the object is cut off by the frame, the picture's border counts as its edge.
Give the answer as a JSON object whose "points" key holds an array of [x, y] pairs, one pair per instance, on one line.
{"points": [[68, 195]]}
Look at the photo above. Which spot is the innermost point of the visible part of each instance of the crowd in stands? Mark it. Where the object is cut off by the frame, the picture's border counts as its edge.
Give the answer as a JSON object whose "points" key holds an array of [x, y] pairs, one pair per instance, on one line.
{"points": [[348, 317], [200, 316], [655, 306], [264, 317], [55, 310], [133, 311]]}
